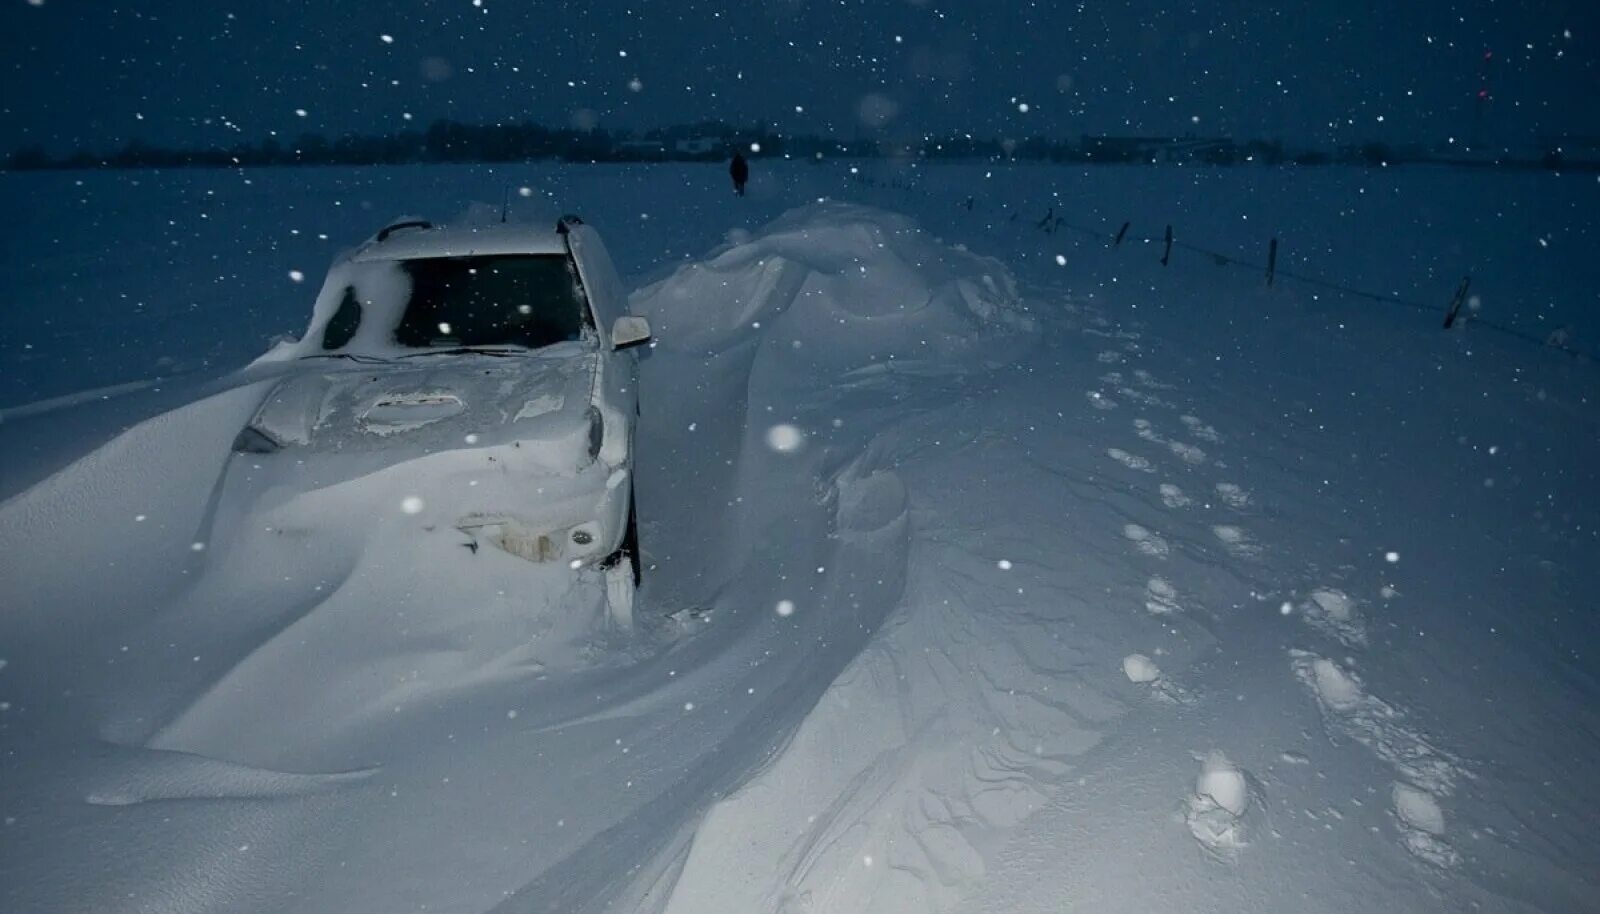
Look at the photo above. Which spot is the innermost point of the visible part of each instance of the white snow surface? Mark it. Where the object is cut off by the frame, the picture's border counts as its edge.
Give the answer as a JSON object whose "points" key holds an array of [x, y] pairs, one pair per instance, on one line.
{"points": [[922, 511]]}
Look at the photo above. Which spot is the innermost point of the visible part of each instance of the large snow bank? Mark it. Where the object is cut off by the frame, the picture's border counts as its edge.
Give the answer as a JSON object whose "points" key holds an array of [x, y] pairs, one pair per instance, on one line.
{"points": [[909, 512], [361, 714]]}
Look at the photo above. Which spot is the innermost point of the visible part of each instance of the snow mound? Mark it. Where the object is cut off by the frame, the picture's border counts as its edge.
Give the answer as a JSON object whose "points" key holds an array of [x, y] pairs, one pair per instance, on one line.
{"points": [[841, 286]]}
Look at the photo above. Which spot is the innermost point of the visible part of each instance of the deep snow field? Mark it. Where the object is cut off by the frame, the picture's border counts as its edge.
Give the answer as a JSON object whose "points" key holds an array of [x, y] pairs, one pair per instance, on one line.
{"points": [[987, 569]]}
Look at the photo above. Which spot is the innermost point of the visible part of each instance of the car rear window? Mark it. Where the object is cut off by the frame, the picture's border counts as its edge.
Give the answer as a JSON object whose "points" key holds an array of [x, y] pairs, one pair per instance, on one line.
{"points": [[508, 300]]}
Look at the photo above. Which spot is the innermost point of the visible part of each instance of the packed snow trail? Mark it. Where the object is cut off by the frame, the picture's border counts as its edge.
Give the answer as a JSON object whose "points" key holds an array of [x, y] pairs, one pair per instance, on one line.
{"points": [[1123, 495]]}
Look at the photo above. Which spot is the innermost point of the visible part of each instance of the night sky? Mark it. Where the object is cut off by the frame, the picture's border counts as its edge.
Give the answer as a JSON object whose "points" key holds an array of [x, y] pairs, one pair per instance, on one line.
{"points": [[90, 74]]}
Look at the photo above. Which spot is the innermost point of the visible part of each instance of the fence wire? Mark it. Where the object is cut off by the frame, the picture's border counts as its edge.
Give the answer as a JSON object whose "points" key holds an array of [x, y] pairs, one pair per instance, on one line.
{"points": [[1050, 223]]}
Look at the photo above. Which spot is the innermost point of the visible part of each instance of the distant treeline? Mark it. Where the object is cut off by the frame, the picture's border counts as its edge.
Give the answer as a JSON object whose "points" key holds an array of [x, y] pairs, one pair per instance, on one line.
{"points": [[451, 141]]}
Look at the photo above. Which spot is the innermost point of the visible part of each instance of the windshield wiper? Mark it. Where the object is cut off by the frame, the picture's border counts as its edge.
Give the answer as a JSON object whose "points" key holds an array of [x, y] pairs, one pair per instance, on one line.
{"points": [[465, 350]]}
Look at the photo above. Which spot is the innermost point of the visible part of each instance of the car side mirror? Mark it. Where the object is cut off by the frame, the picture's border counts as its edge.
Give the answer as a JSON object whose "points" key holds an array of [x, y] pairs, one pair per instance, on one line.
{"points": [[629, 330]]}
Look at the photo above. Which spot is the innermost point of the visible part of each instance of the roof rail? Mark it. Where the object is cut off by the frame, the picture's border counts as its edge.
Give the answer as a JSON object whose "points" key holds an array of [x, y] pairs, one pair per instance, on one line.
{"points": [[393, 227], [567, 220]]}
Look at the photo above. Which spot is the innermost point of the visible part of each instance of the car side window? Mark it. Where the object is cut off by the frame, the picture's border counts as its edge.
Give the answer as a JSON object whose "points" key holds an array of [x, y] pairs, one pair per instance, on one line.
{"points": [[342, 326], [582, 293]]}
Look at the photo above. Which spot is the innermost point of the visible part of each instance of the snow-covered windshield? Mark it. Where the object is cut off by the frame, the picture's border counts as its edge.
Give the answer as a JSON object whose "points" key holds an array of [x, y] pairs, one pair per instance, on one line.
{"points": [[515, 300]]}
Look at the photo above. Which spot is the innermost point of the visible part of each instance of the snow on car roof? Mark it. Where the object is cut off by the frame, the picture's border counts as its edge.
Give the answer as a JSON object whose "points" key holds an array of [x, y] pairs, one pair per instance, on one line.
{"points": [[462, 241]]}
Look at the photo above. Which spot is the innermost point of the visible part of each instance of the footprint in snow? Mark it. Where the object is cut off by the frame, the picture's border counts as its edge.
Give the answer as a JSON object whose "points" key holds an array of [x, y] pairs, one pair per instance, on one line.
{"points": [[1335, 614], [1215, 812], [1349, 710], [1141, 670], [1236, 541], [1421, 824], [1147, 431], [1139, 396], [1188, 453], [1147, 542], [1160, 597], [1100, 401], [1233, 495], [1173, 497], [1131, 461], [1109, 357], [1200, 430], [1146, 379]]}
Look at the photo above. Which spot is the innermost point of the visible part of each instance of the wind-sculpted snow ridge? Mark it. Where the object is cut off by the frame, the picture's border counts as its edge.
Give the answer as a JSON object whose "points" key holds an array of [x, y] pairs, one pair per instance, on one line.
{"points": [[153, 776], [330, 641], [872, 285]]}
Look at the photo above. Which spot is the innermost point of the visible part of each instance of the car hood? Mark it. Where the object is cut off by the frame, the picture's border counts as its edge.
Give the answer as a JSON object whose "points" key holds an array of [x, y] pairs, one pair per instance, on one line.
{"points": [[403, 408]]}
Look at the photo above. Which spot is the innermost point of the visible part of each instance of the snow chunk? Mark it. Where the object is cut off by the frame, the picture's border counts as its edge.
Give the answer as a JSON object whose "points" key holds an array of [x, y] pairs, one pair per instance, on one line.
{"points": [[1223, 784], [1139, 668], [1214, 812], [1418, 809], [1336, 688], [1335, 613], [1422, 825]]}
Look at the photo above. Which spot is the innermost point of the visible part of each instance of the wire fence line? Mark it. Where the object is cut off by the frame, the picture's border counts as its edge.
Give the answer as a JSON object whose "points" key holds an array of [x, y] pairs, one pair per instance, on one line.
{"points": [[1558, 340]]}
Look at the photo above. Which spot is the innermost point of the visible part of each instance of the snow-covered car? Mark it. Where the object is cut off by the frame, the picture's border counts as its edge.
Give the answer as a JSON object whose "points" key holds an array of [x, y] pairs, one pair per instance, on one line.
{"points": [[479, 377]]}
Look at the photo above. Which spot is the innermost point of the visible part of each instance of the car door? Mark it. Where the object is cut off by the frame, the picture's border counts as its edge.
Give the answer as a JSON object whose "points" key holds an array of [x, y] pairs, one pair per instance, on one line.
{"points": [[616, 388]]}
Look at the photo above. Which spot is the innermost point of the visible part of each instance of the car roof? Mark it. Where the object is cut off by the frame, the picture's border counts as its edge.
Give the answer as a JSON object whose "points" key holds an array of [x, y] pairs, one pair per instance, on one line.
{"points": [[423, 241]]}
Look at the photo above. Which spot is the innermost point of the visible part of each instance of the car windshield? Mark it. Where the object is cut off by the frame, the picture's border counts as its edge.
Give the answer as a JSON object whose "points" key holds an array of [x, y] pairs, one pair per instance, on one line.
{"points": [[512, 300]]}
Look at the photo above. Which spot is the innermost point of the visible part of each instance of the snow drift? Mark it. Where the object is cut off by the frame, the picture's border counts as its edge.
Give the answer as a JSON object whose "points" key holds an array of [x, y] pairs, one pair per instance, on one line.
{"points": [[973, 586], [324, 672]]}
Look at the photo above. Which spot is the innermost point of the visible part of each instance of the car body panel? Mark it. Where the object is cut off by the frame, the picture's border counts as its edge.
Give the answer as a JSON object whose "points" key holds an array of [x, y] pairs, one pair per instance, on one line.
{"points": [[462, 241], [529, 451]]}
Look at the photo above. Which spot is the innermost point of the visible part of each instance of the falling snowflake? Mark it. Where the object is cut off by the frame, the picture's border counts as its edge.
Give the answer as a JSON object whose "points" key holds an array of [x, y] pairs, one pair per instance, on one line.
{"points": [[785, 438]]}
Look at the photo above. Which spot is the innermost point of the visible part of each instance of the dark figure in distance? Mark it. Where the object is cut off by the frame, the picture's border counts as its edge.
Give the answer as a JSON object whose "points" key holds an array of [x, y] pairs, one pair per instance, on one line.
{"points": [[739, 169]]}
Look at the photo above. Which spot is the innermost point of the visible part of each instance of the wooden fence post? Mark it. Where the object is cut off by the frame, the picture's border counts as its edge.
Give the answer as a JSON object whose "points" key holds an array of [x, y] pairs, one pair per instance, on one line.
{"points": [[1272, 261], [1167, 254], [1455, 303], [1121, 234]]}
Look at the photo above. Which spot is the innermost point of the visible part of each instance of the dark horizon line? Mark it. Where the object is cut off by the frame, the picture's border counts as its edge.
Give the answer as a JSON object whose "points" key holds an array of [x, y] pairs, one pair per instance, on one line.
{"points": [[447, 141]]}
